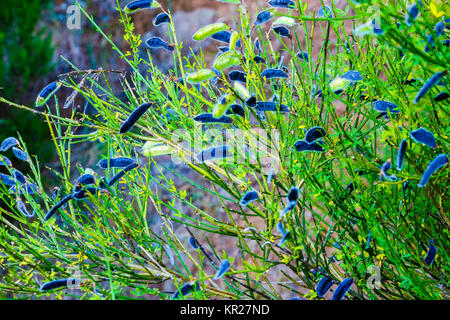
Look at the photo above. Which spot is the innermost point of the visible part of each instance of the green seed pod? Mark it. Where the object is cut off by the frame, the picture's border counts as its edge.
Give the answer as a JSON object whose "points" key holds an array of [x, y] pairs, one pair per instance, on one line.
{"points": [[339, 84], [226, 60], [241, 91], [152, 149], [233, 40], [209, 30], [286, 21], [222, 104], [200, 76]]}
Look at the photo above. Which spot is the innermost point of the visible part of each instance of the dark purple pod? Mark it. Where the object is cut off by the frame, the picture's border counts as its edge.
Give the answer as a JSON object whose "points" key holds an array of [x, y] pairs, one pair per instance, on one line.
{"points": [[314, 133], [55, 284], [429, 84], [271, 106], [214, 153], [273, 73], [18, 176], [248, 197], [293, 194], [431, 254], [161, 18], [224, 36], [441, 96], [134, 117], [303, 55], [238, 76], [20, 154], [121, 173], [262, 17], [85, 179], [383, 106], [208, 118], [55, 208], [223, 268], [401, 154], [119, 162], [303, 145], [184, 290], [323, 286], [4, 161], [7, 180], [157, 42], [289, 4], [258, 59], [8, 143], [384, 169], [424, 136], [438, 162], [439, 28], [251, 102], [352, 75], [342, 289], [258, 46], [193, 243], [236, 109], [282, 31]]}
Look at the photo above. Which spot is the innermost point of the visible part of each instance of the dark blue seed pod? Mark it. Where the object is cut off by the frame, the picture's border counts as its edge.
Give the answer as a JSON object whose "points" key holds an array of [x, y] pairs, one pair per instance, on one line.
{"points": [[273, 73], [424, 136], [323, 286], [282, 31], [84, 193], [84, 179], [55, 284], [161, 18], [315, 133], [281, 4], [411, 15], [18, 176], [46, 93], [439, 28], [238, 76], [157, 42], [224, 266], [135, 6], [116, 178], [342, 289], [209, 118], [441, 96], [55, 208], [303, 55], [214, 153], [384, 169], [325, 12], [236, 109], [431, 254], [134, 117], [401, 154], [8, 143], [271, 106], [185, 290], [248, 197], [280, 227], [291, 205], [20, 154], [193, 243], [258, 59], [438, 162], [251, 102], [429, 84], [258, 46], [303, 145], [262, 17], [119, 162], [382, 107], [4, 161], [224, 36], [352, 75], [293, 194], [7, 180]]}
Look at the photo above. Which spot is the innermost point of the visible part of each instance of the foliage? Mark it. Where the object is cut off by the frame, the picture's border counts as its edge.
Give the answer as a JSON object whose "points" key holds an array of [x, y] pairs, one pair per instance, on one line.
{"points": [[354, 214]]}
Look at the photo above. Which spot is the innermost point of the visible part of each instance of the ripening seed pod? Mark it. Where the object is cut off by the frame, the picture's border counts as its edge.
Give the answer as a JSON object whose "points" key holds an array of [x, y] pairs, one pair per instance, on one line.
{"points": [[138, 5], [161, 18], [119, 162], [262, 17], [303, 145], [209, 118], [209, 30], [273, 73], [323, 286], [8, 143], [222, 105], [288, 4], [248, 197], [438, 162], [238, 76], [282, 31], [431, 254], [401, 154], [55, 208], [20, 154], [200, 76], [429, 84], [314, 133], [157, 42], [134, 117], [424, 136], [46, 93], [342, 289], [226, 60]]}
